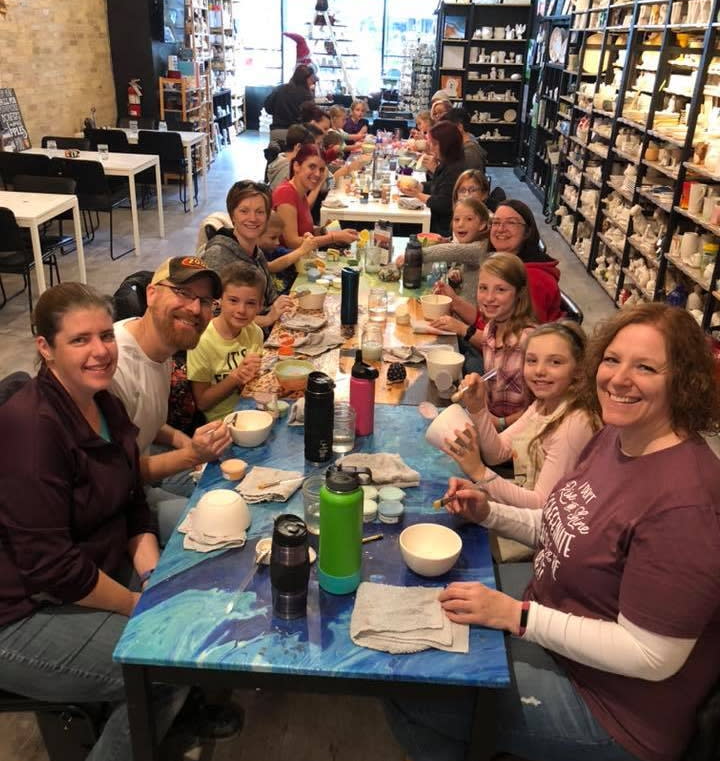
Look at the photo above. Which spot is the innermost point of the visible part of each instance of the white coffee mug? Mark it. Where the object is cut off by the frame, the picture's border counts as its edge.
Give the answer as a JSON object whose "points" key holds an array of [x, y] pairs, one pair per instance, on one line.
{"points": [[689, 245], [695, 199]]}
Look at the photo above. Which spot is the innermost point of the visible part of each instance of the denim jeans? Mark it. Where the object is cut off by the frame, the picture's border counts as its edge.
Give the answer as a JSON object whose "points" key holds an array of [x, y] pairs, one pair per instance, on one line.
{"points": [[540, 717], [168, 498], [64, 654]]}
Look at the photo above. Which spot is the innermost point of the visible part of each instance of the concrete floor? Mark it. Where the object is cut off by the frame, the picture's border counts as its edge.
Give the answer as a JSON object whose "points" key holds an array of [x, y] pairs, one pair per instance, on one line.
{"points": [[305, 727]]}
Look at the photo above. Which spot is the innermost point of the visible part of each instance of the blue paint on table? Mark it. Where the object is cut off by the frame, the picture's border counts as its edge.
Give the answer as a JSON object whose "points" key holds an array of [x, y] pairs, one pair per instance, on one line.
{"points": [[182, 617]]}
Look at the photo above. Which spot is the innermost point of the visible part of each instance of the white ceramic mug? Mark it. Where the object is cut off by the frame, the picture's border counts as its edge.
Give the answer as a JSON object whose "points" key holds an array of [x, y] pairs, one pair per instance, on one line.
{"points": [[708, 206], [689, 245], [451, 419], [695, 199], [501, 56]]}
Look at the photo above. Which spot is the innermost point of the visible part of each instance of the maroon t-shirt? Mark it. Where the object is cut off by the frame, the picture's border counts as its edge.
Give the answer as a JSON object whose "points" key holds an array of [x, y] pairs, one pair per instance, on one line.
{"points": [[285, 192], [641, 536]]}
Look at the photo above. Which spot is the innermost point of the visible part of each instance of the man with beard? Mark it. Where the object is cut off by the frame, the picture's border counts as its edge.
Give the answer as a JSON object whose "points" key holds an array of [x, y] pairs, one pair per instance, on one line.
{"points": [[180, 298]]}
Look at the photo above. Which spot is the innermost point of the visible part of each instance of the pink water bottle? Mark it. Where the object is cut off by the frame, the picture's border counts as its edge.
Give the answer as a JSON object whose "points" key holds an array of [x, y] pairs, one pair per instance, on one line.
{"points": [[362, 395]]}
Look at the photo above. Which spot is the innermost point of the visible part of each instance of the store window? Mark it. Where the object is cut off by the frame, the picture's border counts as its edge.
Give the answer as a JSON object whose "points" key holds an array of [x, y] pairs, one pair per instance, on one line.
{"points": [[258, 42], [407, 24]]}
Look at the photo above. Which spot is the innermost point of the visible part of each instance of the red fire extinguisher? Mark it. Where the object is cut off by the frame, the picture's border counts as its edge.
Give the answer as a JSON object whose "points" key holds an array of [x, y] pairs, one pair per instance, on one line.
{"points": [[134, 97]]}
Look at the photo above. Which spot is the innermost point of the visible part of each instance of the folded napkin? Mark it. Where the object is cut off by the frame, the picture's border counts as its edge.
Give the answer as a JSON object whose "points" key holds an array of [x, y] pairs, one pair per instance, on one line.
{"points": [[334, 203], [404, 620], [423, 326], [306, 322], [296, 415], [411, 203], [250, 487], [196, 540], [386, 468], [313, 344], [406, 355]]}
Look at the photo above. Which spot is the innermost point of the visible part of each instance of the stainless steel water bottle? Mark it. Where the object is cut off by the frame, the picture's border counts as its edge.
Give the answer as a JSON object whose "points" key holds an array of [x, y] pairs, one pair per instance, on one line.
{"points": [[289, 566], [350, 279], [412, 267]]}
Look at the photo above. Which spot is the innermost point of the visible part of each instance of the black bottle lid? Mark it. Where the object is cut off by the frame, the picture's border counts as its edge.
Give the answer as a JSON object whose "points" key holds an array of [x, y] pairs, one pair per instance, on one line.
{"points": [[289, 530], [362, 370], [320, 383], [341, 480]]}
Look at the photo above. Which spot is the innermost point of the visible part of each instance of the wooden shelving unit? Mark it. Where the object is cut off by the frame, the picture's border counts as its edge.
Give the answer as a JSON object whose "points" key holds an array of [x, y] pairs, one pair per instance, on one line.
{"points": [[640, 83], [487, 73], [197, 39]]}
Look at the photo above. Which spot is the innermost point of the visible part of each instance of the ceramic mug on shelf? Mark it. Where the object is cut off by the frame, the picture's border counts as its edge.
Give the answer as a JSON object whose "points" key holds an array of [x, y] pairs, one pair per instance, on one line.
{"points": [[696, 196], [689, 246], [499, 32]]}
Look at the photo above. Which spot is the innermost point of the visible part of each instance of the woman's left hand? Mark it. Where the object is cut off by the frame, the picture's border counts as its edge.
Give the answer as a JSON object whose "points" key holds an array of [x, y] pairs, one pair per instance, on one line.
{"points": [[465, 450], [470, 602], [446, 322]]}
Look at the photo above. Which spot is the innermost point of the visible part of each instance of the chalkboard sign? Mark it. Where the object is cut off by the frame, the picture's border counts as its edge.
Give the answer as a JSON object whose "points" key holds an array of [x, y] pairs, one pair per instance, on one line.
{"points": [[13, 134]]}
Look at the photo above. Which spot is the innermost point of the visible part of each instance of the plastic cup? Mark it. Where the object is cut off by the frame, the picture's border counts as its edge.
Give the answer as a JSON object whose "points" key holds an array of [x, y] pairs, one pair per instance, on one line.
{"points": [[343, 428], [311, 502]]}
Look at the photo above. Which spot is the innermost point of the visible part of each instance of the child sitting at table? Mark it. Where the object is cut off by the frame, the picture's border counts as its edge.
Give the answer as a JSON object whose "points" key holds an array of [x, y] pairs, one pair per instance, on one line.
{"points": [[337, 126], [229, 352], [356, 124], [423, 122], [281, 260], [503, 298]]}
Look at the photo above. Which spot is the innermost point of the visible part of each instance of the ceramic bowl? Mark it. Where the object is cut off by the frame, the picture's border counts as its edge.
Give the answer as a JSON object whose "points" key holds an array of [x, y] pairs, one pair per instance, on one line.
{"points": [[249, 428], [444, 359], [406, 184], [451, 419], [406, 160], [221, 513], [292, 374], [313, 297], [430, 549], [435, 305]]}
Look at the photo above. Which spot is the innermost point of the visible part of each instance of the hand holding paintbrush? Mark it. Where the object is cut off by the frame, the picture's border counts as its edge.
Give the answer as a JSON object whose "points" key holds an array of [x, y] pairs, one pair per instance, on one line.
{"points": [[474, 391], [467, 499]]}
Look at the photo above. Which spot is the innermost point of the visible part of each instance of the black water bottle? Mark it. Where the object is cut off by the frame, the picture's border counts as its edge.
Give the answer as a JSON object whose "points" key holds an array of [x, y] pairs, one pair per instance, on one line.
{"points": [[289, 566], [349, 304], [412, 267], [319, 417]]}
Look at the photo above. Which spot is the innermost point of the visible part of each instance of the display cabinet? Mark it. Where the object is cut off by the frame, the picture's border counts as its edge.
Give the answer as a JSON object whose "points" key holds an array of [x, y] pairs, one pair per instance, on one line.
{"points": [[481, 54]]}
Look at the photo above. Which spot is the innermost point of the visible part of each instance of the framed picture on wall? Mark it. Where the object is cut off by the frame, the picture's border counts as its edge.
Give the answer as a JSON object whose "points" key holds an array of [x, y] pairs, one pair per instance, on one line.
{"points": [[454, 28], [451, 83]]}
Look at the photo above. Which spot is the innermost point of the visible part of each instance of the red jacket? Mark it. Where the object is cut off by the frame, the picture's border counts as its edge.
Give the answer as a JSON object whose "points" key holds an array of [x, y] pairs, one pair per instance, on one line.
{"points": [[543, 280]]}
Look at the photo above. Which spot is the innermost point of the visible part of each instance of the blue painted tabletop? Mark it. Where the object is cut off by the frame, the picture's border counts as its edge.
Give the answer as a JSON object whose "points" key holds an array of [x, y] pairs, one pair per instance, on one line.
{"points": [[182, 620]]}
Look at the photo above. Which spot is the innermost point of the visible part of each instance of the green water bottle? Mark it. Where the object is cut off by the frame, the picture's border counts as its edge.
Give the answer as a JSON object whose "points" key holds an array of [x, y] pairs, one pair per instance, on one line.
{"points": [[341, 527]]}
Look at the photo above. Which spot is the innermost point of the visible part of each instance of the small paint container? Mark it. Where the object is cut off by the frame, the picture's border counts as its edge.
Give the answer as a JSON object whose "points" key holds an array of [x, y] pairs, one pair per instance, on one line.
{"points": [[370, 510], [391, 494], [233, 469], [369, 492], [390, 512]]}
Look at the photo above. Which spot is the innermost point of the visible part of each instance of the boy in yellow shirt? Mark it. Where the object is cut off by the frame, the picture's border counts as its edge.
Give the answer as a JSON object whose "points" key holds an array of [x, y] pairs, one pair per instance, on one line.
{"points": [[229, 351]]}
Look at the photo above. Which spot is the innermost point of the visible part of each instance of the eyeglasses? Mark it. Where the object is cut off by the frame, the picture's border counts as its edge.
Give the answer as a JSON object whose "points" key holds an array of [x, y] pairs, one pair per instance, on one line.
{"points": [[261, 187], [469, 191], [206, 302], [506, 223]]}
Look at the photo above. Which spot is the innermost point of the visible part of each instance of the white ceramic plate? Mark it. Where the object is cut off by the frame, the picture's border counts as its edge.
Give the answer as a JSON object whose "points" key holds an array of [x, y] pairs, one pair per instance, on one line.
{"points": [[510, 115], [556, 46]]}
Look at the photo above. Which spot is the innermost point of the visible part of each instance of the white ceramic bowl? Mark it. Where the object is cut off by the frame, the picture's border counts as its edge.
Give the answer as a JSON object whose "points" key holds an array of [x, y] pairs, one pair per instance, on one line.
{"points": [[435, 305], [313, 297], [249, 428], [451, 419], [292, 374], [220, 513], [430, 549], [444, 359]]}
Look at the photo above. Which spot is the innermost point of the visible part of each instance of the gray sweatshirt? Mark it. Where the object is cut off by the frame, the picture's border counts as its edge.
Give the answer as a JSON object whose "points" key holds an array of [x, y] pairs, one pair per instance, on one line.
{"points": [[470, 255]]}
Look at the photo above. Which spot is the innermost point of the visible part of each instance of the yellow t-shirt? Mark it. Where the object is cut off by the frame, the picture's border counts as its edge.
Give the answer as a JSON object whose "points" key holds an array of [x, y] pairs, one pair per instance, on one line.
{"points": [[215, 357]]}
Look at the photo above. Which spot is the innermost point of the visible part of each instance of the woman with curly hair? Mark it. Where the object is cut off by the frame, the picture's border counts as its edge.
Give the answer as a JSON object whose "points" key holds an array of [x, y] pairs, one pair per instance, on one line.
{"points": [[615, 635], [546, 441]]}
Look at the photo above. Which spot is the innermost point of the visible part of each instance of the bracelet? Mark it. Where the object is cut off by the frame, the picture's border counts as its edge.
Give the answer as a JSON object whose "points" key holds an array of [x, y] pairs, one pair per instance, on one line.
{"points": [[524, 613], [470, 332], [146, 576], [502, 424]]}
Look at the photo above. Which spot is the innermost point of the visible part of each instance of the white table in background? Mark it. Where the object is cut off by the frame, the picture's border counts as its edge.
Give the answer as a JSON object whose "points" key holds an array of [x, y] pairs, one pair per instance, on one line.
{"points": [[189, 139], [122, 165], [32, 210], [374, 210]]}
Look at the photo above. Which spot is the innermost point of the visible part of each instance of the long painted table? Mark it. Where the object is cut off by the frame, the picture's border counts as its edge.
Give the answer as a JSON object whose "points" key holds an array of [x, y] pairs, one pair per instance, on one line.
{"points": [[181, 632]]}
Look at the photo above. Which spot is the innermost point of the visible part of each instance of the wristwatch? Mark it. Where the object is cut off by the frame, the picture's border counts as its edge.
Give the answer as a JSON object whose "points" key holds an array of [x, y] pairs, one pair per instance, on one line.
{"points": [[524, 613], [470, 332]]}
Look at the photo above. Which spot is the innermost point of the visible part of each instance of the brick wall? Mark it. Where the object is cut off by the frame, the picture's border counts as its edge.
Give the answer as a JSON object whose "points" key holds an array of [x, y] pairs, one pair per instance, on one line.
{"points": [[56, 54]]}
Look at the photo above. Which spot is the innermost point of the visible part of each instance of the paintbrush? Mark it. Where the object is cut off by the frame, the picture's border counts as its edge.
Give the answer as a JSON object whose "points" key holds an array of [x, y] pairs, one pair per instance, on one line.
{"points": [[477, 486], [458, 395], [268, 484], [371, 538]]}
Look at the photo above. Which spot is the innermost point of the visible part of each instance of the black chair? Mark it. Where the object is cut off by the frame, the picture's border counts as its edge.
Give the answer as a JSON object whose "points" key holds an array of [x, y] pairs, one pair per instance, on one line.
{"points": [[168, 146], [12, 164], [16, 256], [115, 139], [173, 121], [129, 300], [11, 384], [143, 122], [705, 743], [571, 309], [94, 193], [63, 143]]}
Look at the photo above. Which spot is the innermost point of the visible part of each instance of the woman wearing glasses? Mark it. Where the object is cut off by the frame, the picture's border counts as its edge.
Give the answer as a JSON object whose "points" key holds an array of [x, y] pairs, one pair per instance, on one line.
{"points": [[513, 230], [248, 204]]}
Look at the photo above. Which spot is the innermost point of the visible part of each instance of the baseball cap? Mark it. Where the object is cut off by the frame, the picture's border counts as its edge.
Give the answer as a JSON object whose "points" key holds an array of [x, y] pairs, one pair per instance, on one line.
{"points": [[184, 269]]}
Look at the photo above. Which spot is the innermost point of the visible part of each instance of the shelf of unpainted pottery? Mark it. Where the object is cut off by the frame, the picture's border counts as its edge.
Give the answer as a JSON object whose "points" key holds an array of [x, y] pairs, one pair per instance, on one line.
{"points": [[591, 180], [627, 156], [716, 295], [583, 259], [610, 290], [598, 150], [575, 139], [489, 100], [664, 205], [610, 244], [580, 108], [631, 123], [676, 141], [571, 180], [694, 273], [630, 277], [572, 161], [590, 220], [626, 194], [698, 220], [658, 167], [609, 114], [699, 169], [567, 99], [569, 204], [650, 258], [622, 228], [497, 63]]}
